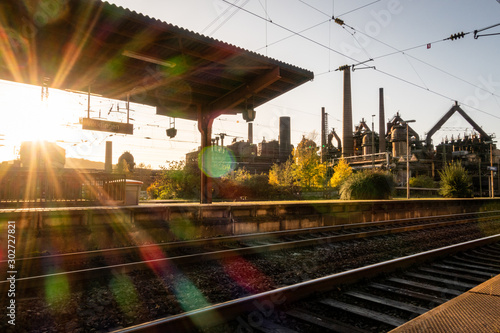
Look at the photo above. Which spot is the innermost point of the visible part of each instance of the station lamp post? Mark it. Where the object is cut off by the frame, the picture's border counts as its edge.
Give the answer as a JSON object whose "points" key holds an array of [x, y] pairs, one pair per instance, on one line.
{"points": [[408, 158], [491, 169], [492, 184]]}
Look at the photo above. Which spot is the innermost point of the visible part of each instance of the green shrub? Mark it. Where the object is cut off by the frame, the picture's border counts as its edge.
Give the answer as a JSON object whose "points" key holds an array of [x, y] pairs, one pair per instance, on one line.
{"points": [[367, 185], [422, 182], [240, 185], [455, 182]]}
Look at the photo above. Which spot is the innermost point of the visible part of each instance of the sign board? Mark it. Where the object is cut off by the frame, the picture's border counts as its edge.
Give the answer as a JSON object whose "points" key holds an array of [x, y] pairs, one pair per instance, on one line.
{"points": [[107, 126], [492, 168]]}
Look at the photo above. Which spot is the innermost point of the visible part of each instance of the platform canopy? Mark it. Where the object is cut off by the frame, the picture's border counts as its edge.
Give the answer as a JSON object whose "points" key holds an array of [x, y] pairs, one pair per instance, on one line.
{"points": [[92, 45], [74, 44]]}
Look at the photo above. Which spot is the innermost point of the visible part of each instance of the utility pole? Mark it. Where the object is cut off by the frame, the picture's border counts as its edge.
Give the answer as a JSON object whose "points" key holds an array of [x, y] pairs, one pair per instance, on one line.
{"points": [[408, 158], [324, 128], [491, 170]]}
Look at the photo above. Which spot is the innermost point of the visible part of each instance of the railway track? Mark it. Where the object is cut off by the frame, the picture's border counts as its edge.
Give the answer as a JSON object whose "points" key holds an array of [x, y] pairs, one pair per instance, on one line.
{"points": [[94, 264], [386, 303], [341, 303]]}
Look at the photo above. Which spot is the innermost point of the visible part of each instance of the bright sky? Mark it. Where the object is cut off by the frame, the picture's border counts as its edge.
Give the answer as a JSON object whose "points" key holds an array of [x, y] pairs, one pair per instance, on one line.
{"points": [[420, 83]]}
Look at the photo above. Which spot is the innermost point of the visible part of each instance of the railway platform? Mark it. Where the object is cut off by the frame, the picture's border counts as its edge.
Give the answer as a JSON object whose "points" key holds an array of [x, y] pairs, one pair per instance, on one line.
{"points": [[476, 311]]}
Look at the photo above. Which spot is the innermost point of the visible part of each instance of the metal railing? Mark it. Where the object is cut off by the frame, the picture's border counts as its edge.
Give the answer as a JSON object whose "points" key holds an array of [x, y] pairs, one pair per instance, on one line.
{"points": [[23, 187], [365, 159]]}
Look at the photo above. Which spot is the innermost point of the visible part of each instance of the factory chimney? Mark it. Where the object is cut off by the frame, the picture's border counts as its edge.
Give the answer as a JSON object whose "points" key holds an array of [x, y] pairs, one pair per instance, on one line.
{"points": [[347, 134], [250, 132], [381, 122], [284, 139], [108, 166]]}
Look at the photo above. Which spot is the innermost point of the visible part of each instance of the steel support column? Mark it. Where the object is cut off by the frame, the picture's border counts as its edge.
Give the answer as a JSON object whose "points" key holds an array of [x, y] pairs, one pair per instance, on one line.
{"points": [[205, 121]]}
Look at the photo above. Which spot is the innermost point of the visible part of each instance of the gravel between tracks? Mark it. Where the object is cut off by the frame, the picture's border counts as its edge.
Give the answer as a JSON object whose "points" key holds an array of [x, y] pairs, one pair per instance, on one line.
{"points": [[125, 300]]}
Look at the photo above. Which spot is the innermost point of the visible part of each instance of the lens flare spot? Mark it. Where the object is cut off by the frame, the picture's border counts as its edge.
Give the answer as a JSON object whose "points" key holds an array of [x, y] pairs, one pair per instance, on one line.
{"points": [[183, 229], [47, 11], [124, 293], [188, 296], [178, 66], [246, 275], [216, 161], [115, 68], [151, 254], [57, 290]]}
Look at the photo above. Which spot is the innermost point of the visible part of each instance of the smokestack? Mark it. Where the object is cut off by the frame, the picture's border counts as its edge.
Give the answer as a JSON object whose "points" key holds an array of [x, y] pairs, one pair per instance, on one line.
{"points": [[347, 134], [381, 123], [108, 166], [284, 139], [250, 133], [323, 134]]}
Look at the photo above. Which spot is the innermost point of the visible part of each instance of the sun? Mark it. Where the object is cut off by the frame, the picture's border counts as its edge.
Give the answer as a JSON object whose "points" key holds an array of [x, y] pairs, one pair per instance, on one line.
{"points": [[28, 117]]}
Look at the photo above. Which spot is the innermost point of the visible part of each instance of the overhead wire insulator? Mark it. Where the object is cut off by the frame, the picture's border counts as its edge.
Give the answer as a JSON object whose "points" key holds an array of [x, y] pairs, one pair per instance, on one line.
{"points": [[457, 36], [343, 68], [338, 21]]}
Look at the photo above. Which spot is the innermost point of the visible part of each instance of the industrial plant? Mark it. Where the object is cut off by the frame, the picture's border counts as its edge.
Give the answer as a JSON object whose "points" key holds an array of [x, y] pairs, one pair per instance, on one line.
{"points": [[396, 146], [255, 158]]}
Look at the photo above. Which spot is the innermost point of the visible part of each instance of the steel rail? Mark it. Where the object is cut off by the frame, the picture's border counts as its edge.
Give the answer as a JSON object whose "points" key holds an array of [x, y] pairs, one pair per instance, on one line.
{"points": [[221, 313], [63, 259], [38, 281]]}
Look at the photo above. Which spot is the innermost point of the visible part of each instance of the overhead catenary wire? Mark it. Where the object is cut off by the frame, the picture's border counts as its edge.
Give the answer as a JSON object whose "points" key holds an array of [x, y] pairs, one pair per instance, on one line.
{"points": [[476, 36], [220, 16], [435, 93], [358, 8], [397, 51], [267, 19], [452, 37], [293, 32], [348, 12], [425, 88], [404, 52], [293, 35]]}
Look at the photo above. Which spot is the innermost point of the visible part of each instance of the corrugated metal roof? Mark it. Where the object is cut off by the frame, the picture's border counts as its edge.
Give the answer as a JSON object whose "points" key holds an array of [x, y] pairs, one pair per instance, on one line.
{"points": [[119, 52]]}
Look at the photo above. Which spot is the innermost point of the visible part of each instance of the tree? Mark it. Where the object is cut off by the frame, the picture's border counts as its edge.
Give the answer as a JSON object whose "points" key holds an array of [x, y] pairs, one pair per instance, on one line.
{"points": [[455, 182], [340, 173], [241, 184], [125, 164], [129, 159], [282, 180], [308, 171], [122, 168], [144, 173], [282, 174], [176, 181]]}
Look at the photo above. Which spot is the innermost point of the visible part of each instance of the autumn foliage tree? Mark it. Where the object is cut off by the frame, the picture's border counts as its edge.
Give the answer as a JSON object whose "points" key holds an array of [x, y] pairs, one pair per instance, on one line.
{"points": [[341, 172], [176, 181], [303, 171], [242, 185], [282, 174], [309, 172], [282, 179]]}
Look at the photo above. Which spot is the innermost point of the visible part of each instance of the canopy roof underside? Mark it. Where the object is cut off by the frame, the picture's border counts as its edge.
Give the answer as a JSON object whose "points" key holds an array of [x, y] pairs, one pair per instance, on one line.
{"points": [[74, 44]]}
